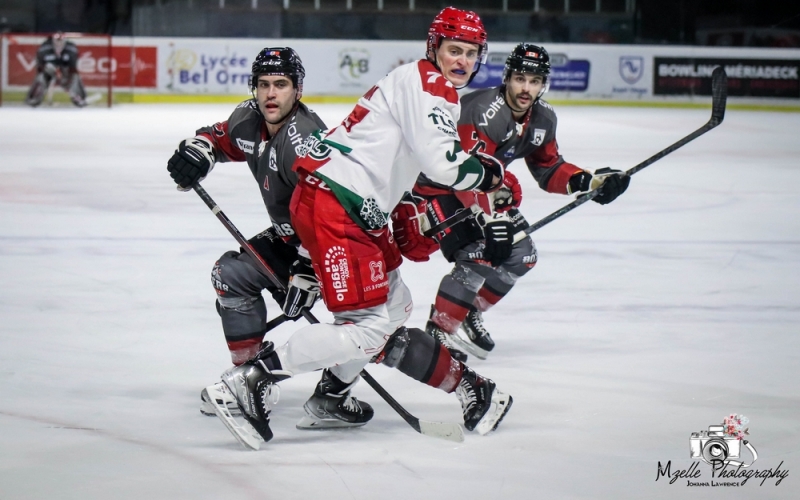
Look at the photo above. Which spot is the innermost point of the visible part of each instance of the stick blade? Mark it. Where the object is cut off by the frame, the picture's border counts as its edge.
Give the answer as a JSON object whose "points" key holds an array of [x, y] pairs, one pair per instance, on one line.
{"points": [[719, 94], [442, 430]]}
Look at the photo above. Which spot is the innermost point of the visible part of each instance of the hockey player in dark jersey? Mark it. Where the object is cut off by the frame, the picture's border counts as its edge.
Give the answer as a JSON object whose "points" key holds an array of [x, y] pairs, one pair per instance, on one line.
{"points": [[490, 251], [265, 132], [57, 62]]}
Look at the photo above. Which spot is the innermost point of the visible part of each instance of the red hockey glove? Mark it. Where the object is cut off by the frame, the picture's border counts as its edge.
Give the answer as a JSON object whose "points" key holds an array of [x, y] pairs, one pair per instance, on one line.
{"points": [[509, 195], [408, 223]]}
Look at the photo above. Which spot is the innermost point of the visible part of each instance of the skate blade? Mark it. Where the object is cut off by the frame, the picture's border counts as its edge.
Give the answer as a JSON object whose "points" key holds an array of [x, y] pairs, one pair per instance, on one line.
{"points": [[501, 403], [219, 396], [468, 346], [311, 423], [442, 430]]}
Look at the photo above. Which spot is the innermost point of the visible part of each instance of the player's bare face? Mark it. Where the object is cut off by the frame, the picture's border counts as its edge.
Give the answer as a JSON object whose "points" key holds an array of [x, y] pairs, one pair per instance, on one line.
{"points": [[276, 96], [521, 91], [456, 60]]}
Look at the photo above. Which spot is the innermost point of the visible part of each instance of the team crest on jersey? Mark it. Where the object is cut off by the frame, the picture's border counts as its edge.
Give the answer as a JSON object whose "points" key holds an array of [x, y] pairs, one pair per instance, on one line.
{"points": [[261, 147], [273, 159], [314, 148], [246, 146], [538, 136]]}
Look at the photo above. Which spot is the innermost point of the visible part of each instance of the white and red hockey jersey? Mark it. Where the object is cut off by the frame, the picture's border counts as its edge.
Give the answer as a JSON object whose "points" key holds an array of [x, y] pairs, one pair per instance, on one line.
{"points": [[404, 125]]}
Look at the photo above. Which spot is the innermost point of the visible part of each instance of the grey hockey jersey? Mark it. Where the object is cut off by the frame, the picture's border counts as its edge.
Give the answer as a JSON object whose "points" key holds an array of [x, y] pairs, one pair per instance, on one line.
{"points": [[244, 137]]}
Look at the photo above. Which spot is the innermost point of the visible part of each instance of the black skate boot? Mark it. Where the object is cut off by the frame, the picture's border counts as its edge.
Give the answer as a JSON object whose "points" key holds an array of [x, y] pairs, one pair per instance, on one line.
{"points": [[444, 338], [252, 387], [482, 343], [332, 406], [483, 405]]}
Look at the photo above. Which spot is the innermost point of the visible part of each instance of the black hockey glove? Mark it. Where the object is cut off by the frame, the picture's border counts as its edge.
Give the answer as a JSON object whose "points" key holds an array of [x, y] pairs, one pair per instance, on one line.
{"points": [[192, 161], [499, 239], [610, 182], [303, 288]]}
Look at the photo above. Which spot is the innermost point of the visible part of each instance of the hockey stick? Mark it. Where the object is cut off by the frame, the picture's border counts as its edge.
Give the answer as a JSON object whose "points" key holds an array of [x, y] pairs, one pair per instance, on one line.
{"points": [[443, 430], [719, 96]]}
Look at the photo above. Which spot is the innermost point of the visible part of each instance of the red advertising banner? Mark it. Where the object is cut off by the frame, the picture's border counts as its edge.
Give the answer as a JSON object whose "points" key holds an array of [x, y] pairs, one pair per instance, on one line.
{"points": [[129, 66]]}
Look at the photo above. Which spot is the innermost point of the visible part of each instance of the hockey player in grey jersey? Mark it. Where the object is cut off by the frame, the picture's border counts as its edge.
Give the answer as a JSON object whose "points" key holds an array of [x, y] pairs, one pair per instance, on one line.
{"points": [[266, 132], [508, 122]]}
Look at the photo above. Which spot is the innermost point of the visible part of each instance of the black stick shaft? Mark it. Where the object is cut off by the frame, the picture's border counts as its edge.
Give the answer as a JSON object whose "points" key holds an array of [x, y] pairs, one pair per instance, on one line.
{"points": [[719, 92]]}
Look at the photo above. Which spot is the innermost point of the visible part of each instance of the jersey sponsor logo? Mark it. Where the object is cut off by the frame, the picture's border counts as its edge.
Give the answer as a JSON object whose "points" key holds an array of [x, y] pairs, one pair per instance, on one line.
{"points": [[509, 153], [294, 135], [545, 104], [376, 271], [273, 159], [442, 120], [250, 103], [490, 113], [246, 146], [314, 148], [538, 136], [338, 269], [219, 130]]}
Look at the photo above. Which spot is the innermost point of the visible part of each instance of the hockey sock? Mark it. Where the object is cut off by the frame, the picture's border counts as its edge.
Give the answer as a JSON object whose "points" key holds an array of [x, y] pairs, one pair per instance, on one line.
{"points": [[429, 362]]}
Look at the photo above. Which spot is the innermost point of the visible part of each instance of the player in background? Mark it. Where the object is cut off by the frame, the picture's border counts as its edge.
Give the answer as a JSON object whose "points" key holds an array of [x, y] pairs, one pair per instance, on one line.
{"points": [[266, 132], [350, 179], [57, 62], [490, 251]]}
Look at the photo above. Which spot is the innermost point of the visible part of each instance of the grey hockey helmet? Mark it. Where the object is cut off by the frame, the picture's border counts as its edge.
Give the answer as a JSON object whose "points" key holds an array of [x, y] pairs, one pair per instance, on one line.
{"points": [[278, 61], [529, 58]]}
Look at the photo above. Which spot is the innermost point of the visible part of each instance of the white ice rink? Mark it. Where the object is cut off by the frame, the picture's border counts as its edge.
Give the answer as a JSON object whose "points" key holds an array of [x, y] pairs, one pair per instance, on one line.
{"points": [[644, 321]]}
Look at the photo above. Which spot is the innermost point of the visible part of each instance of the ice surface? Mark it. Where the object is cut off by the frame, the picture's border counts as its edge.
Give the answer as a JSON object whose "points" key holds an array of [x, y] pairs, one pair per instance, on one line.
{"points": [[645, 320]]}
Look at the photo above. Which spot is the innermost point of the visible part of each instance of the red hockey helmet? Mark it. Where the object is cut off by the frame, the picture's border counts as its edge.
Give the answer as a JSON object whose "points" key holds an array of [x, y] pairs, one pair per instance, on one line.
{"points": [[457, 24]]}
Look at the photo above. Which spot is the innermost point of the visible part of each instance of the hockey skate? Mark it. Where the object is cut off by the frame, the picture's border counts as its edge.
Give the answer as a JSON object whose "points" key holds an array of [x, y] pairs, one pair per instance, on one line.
{"points": [[331, 406], [207, 407], [250, 386], [479, 343], [483, 405]]}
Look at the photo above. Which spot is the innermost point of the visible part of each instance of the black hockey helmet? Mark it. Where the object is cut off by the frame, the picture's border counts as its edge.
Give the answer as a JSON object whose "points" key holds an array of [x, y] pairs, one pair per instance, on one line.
{"points": [[278, 61], [528, 58]]}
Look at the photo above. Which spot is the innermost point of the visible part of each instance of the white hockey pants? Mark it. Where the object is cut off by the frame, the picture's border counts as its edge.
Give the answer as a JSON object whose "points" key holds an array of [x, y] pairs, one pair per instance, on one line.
{"points": [[355, 337]]}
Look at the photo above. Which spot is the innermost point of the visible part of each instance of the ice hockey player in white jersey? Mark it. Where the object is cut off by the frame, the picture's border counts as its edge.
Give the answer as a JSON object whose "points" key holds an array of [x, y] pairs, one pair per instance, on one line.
{"points": [[350, 179], [266, 132], [508, 122]]}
